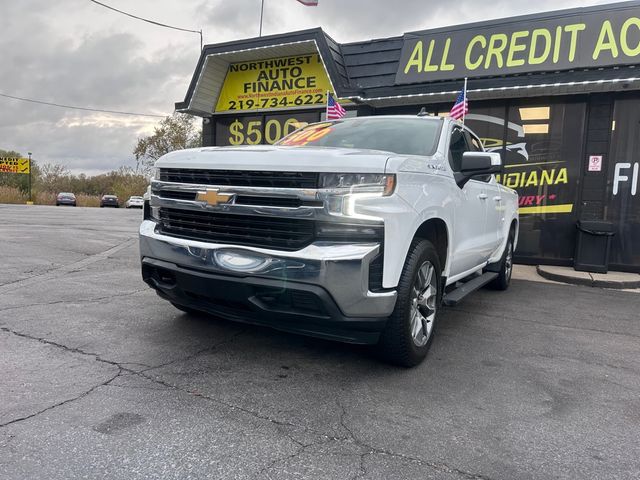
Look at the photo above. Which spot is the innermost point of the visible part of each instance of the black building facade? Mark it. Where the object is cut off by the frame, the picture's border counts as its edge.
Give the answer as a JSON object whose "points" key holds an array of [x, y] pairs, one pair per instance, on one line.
{"points": [[558, 94]]}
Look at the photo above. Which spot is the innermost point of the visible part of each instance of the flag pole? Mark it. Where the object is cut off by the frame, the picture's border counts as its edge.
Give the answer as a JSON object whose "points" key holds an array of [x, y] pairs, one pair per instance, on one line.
{"points": [[326, 106], [464, 100], [261, 16]]}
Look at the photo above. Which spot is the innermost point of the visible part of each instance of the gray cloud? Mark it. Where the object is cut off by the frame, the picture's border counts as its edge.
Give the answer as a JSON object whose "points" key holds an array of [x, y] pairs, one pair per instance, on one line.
{"points": [[101, 69], [74, 52]]}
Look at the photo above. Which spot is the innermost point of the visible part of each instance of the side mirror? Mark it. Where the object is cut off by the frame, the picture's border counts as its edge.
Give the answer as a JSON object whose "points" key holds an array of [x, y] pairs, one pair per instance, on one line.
{"points": [[477, 164]]}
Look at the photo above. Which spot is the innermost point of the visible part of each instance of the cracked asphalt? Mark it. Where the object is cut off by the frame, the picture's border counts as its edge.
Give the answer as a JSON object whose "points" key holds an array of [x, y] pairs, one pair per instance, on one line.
{"points": [[101, 379]]}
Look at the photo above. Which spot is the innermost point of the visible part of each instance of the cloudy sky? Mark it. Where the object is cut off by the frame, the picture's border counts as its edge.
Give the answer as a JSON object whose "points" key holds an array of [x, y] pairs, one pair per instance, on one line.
{"points": [[77, 53]]}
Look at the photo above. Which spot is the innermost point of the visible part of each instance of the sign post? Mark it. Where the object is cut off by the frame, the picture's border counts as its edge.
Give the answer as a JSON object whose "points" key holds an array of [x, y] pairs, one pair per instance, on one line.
{"points": [[30, 202]]}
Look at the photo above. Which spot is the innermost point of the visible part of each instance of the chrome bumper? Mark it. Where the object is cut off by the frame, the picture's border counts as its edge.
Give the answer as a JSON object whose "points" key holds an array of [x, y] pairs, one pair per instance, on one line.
{"points": [[341, 269]]}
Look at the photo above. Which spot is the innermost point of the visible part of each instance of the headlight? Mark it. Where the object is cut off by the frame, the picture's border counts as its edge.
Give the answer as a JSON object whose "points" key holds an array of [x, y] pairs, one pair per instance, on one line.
{"points": [[155, 173], [359, 182]]}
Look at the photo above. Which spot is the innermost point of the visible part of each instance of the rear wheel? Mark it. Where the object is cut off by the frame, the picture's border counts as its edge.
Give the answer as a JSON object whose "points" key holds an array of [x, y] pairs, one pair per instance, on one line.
{"points": [[505, 269], [410, 328]]}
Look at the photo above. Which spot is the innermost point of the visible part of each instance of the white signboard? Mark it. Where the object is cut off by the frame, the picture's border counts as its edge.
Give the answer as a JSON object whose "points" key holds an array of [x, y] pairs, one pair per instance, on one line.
{"points": [[595, 163]]}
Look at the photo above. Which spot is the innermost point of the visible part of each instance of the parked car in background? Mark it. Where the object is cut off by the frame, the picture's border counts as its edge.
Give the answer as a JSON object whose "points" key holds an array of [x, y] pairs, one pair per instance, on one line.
{"points": [[66, 198], [134, 202], [109, 201]]}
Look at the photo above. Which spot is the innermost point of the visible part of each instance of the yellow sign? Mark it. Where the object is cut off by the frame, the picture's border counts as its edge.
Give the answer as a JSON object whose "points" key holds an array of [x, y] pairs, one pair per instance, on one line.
{"points": [[564, 208], [14, 165], [278, 83], [252, 131]]}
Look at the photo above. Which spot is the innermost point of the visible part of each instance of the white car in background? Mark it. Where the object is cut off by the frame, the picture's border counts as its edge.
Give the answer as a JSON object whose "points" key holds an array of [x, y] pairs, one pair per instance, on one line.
{"points": [[134, 202]]}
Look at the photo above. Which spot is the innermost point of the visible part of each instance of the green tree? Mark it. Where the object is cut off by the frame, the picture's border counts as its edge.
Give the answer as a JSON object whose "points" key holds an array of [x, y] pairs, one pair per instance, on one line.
{"points": [[175, 132]]}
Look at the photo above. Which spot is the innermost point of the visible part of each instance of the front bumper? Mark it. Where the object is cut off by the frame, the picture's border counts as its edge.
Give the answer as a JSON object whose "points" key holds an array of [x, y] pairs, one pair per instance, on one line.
{"points": [[321, 290]]}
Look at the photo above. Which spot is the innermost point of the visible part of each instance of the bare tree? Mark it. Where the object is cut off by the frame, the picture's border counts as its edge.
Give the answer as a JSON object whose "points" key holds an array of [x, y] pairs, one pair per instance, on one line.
{"points": [[173, 133]]}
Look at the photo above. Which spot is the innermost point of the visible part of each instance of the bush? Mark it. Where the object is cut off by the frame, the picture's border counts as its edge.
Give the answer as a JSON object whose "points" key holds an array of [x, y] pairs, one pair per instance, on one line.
{"points": [[44, 198], [12, 195], [83, 200], [49, 180]]}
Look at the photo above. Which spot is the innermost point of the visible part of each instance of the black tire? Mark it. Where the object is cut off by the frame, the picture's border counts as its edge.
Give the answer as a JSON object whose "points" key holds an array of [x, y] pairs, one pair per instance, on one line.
{"points": [[505, 268], [397, 343]]}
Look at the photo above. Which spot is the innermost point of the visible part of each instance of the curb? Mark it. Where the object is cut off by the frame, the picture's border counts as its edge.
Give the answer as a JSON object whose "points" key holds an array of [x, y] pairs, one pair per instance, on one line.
{"points": [[588, 281]]}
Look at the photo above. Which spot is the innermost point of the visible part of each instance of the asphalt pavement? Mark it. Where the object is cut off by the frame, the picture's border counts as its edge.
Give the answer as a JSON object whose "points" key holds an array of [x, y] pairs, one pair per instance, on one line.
{"points": [[102, 379]]}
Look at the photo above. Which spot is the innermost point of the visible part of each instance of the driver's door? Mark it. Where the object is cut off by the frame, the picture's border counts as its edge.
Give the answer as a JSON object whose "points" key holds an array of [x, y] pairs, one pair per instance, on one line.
{"points": [[471, 241]]}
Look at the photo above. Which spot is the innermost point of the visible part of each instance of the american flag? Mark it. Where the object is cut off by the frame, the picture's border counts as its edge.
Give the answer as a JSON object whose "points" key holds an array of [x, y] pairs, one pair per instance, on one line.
{"points": [[334, 109], [461, 107], [309, 3]]}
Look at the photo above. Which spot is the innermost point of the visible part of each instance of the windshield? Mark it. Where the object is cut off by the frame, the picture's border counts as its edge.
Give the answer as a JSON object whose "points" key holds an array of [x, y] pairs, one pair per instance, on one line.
{"points": [[405, 136]]}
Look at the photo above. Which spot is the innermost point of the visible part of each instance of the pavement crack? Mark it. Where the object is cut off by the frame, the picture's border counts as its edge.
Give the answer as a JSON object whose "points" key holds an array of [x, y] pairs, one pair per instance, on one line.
{"points": [[343, 423], [231, 406], [64, 402], [372, 450], [76, 302], [57, 272], [66, 348], [302, 448], [197, 353], [280, 424]]}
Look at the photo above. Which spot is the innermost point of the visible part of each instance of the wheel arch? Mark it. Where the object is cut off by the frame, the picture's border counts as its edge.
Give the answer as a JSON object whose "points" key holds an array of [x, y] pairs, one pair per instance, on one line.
{"points": [[436, 231], [514, 229]]}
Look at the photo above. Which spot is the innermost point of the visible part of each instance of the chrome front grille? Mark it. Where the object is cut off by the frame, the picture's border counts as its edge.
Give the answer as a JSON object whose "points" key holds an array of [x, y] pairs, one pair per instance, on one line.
{"points": [[252, 230], [236, 208], [240, 178]]}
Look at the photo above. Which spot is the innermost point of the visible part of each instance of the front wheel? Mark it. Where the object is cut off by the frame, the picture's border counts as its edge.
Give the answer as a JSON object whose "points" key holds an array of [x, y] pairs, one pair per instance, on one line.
{"points": [[409, 332]]}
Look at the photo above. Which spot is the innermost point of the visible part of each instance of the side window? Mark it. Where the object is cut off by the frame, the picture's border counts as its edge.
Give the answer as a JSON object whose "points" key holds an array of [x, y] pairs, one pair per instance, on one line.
{"points": [[476, 146], [457, 146]]}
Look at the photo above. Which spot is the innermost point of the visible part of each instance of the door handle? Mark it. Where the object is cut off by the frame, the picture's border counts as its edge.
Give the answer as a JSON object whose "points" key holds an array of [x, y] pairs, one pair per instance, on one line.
{"points": [[482, 196], [497, 199]]}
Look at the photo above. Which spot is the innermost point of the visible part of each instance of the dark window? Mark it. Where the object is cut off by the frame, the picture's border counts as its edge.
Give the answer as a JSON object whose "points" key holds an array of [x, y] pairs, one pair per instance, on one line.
{"points": [[543, 157], [457, 147], [475, 144], [624, 184]]}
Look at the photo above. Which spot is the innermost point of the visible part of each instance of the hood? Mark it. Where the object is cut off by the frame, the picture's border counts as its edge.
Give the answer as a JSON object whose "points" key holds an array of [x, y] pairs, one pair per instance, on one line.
{"points": [[278, 159]]}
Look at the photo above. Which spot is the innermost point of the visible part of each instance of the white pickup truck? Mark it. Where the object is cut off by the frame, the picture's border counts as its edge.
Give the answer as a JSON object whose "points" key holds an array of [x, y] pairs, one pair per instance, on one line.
{"points": [[355, 230]]}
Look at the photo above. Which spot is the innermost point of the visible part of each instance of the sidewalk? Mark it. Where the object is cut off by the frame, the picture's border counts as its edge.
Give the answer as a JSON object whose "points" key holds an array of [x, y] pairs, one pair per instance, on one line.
{"points": [[553, 274]]}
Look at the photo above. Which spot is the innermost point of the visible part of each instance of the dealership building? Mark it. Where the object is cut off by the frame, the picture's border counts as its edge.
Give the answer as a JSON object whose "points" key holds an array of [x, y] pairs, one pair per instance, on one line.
{"points": [[558, 94]]}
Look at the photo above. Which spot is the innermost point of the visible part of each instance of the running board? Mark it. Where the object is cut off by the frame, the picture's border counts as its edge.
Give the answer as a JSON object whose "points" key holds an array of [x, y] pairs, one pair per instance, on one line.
{"points": [[454, 297]]}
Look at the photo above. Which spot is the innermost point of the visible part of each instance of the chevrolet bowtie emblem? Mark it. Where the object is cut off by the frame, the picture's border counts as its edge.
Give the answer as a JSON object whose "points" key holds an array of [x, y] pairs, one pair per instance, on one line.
{"points": [[214, 197]]}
